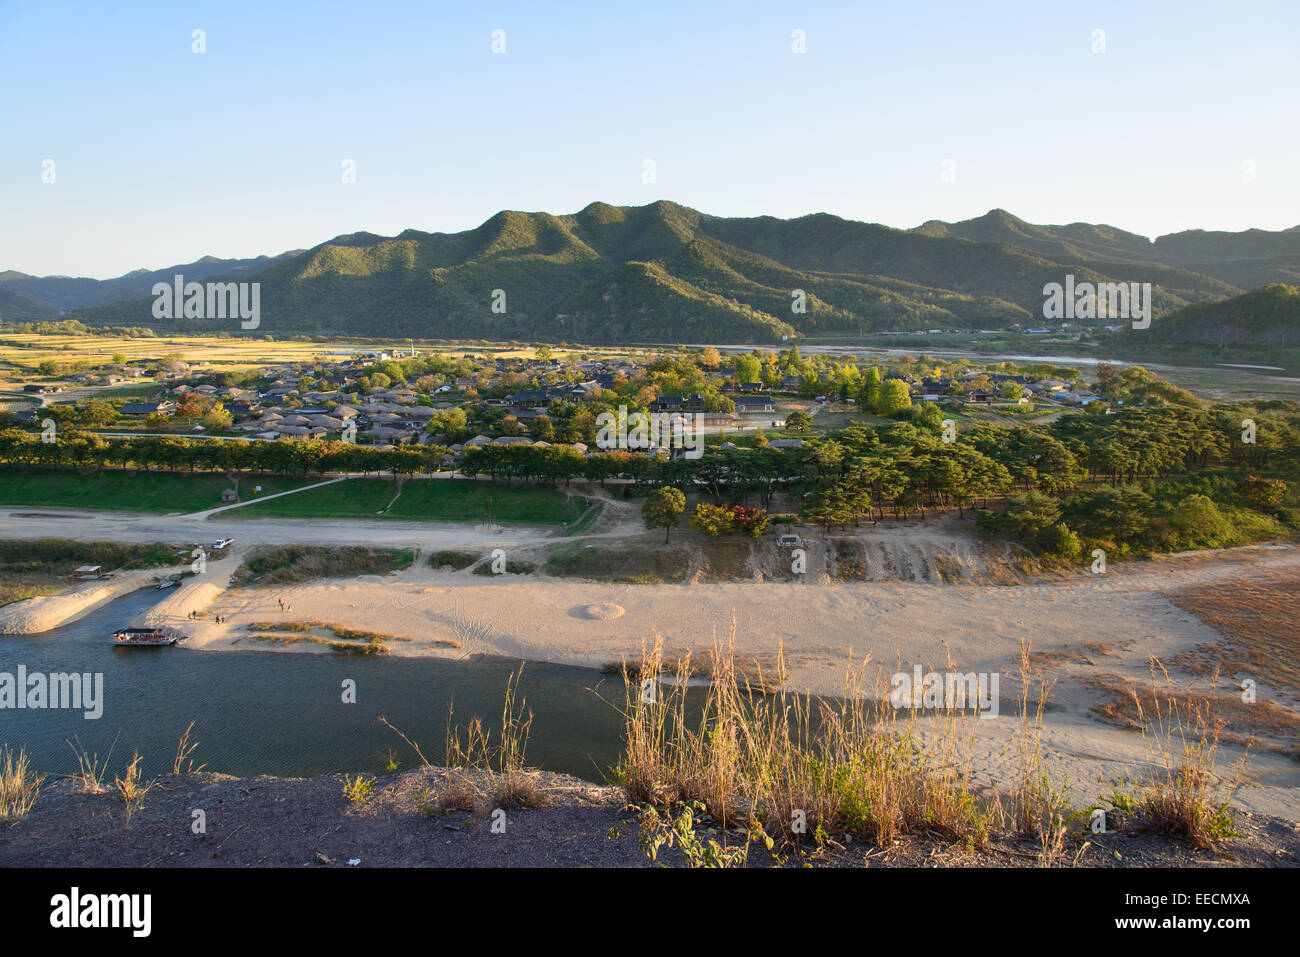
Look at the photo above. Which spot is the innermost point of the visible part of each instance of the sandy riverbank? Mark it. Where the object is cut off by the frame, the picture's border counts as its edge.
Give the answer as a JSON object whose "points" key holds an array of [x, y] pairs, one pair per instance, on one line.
{"points": [[1081, 631], [33, 616]]}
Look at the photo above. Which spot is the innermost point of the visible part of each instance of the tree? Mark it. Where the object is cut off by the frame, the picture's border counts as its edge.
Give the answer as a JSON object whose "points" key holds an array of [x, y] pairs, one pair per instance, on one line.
{"points": [[751, 521], [748, 368], [1120, 514], [1063, 544], [798, 421], [711, 519], [98, 412], [450, 422], [662, 508], [894, 397], [1199, 522], [217, 418], [870, 393], [1030, 514], [1265, 493], [542, 429], [828, 508]]}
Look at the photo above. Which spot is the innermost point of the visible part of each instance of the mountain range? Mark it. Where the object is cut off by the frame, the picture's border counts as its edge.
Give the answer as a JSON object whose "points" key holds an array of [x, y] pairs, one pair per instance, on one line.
{"points": [[667, 273]]}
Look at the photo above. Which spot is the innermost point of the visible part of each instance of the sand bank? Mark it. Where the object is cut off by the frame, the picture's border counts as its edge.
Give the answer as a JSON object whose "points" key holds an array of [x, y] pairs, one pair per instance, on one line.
{"points": [[35, 615], [1109, 626]]}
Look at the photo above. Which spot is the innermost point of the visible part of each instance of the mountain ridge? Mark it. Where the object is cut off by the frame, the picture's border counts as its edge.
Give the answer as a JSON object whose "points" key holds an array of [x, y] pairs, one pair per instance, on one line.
{"points": [[667, 272]]}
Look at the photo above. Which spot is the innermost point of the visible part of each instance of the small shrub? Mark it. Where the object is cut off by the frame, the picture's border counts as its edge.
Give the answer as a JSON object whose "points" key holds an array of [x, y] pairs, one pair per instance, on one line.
{"points": [[358, 789]]}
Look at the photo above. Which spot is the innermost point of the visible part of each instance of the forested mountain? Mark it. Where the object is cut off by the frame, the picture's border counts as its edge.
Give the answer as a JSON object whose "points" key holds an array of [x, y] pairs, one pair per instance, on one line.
{"points": [[1266, 317], [668, 273], [48, 296]]}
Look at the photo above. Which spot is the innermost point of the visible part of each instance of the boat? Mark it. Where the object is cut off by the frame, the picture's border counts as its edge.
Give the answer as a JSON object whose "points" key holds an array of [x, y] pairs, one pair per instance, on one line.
{"points": [[147, 636], [168, 583]]}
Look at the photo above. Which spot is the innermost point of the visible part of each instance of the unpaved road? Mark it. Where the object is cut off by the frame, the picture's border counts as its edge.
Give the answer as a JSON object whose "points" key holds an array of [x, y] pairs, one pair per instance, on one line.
{"points": [[97, 525]]}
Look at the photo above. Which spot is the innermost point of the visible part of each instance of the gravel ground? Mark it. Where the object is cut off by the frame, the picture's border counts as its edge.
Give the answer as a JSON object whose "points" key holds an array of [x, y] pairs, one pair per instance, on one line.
{"points": [[277, 822]]}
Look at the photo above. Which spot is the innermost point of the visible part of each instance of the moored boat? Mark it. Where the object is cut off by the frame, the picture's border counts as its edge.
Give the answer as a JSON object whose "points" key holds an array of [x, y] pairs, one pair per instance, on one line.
{"points": [[147, 636]]}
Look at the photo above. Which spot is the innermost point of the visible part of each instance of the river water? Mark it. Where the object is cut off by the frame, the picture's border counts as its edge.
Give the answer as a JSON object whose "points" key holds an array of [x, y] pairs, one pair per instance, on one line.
{"points": [[283, 714]]}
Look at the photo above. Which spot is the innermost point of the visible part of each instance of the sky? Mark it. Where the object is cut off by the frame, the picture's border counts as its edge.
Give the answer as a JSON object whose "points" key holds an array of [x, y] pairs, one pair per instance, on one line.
{"points": [[122, 148]]}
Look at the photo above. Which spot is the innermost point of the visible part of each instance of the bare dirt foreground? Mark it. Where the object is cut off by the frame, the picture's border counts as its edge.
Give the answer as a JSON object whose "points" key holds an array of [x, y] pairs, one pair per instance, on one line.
{"points": [[273, 822]]}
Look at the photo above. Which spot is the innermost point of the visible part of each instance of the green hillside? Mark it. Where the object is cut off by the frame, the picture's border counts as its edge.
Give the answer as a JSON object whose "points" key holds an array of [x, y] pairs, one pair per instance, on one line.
{"points": [[1265, 317], [664, 272]]}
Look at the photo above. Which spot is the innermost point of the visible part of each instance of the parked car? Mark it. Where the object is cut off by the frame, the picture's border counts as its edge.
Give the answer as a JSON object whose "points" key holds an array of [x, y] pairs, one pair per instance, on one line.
{"points": [[222, 543], [788, 541]]}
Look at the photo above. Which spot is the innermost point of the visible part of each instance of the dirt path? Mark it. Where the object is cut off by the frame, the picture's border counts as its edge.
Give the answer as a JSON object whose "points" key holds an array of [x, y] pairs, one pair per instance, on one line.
{"points": [[208, 513]]}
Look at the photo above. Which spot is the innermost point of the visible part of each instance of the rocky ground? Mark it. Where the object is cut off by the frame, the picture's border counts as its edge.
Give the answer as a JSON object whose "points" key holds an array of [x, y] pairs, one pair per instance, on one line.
{"points": [[274, 822]]}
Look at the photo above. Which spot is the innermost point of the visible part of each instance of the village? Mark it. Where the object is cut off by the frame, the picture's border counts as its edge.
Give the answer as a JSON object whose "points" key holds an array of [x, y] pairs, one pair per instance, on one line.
{"points": [[385, 398]]}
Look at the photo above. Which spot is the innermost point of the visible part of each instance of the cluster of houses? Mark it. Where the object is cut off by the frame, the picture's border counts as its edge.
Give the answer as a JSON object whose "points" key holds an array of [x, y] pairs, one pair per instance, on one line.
{"points": [[335, 401], [1031, 390], [398, 415]]}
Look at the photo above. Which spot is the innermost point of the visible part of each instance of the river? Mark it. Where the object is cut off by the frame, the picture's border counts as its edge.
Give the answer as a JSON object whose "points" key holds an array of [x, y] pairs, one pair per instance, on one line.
{"points": [[283, 714]]}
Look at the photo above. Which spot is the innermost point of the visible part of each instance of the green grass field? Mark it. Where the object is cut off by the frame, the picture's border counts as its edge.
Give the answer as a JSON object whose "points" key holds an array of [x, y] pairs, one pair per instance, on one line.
{"points": [[429, 500], [160, 492]]}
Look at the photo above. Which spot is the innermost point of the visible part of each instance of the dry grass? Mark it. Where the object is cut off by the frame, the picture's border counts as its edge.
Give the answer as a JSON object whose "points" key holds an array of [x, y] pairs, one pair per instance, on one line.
{"points": [[1261, 723], [759, 674], [850, 560], [133, 788], [339, 631], [796, 769], [1040, 808], [20, 786], [1185, 797], [726, 561], [486, 771], [948, 567], [183, 763], [90, 770], [1257, 617], [997, 567]]}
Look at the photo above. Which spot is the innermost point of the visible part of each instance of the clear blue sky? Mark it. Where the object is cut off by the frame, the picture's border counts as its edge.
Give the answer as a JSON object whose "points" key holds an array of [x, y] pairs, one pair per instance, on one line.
{"points": [[163, 155]]}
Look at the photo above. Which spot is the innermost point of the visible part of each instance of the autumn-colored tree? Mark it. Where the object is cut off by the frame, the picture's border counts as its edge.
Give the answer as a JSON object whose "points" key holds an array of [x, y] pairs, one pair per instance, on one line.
{"points": [[711, 519], [662, 509], [1262, 492]]}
